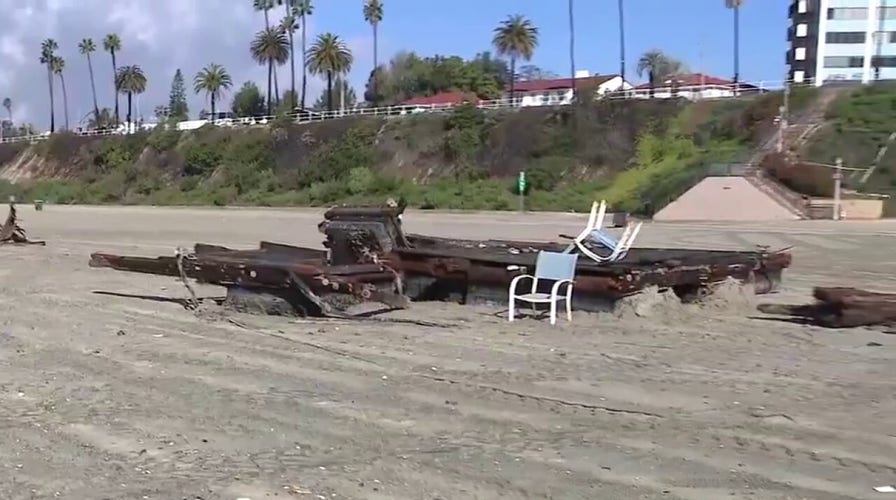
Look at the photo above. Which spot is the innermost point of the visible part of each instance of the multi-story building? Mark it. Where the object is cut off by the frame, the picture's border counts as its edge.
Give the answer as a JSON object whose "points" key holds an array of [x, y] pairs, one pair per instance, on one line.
{"points": [[842, 40]]}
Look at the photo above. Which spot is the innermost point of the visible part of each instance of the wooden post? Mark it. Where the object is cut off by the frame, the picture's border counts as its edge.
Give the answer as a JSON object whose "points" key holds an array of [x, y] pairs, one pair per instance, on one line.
{"points": [[838, 176]]}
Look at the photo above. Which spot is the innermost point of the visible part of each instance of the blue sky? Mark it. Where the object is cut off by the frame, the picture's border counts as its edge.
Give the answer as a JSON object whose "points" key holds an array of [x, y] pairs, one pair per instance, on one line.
{"points": [[700, 34]]}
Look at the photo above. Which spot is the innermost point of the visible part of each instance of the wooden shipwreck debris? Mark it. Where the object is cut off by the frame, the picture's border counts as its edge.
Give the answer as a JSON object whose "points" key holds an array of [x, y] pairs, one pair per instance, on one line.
{"points": [[369, 258], [841, 308], [11, 233]]}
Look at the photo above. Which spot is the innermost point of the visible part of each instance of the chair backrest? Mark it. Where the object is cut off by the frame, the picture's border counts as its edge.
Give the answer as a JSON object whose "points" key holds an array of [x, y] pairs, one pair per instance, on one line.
{"points": [[556, 266]]}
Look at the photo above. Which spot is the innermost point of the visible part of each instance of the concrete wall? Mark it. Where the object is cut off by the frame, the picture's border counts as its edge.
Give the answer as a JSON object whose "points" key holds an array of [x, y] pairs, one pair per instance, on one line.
{"points": [[853, 209], [724, 199]]}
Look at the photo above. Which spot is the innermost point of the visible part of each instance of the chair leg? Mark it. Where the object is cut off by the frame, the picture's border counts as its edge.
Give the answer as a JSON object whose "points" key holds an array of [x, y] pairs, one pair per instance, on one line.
{"points": [[568, 310], [510, 307], [554, 311]]}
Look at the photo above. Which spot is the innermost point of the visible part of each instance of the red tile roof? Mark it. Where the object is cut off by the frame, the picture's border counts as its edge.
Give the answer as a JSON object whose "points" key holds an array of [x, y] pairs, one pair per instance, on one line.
{"points": [[560, 83], [693, 80], [443, 98]]}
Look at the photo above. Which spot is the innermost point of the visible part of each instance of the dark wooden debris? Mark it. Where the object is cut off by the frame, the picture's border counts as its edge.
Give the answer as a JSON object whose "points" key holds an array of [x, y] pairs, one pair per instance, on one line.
{"points": [[841, 307], [11, 233], [370, 258]]}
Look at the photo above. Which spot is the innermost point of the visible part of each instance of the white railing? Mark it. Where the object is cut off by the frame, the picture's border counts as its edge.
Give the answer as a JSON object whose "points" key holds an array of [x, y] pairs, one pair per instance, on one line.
{"points": [[523, 100]]}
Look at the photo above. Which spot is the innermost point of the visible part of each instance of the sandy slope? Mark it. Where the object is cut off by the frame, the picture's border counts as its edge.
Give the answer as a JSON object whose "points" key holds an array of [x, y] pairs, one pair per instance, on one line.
{"points": [[120, 398]]}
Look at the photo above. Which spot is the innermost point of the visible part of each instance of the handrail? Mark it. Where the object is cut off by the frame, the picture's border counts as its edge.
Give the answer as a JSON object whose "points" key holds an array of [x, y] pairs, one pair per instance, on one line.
{"points": [[560, 97]]}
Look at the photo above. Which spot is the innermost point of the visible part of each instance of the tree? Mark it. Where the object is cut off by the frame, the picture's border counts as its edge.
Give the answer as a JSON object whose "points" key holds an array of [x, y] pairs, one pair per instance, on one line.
{"points": [[621, 19], [130, 80], [329, 56], [248, 101], [87, 47], [530, 72], [289, 25], [214, 80], [735, 6], [7, 104], [47, 54], [264, 6], [177, 98], [112, 45], [270, 47], [572, 46], [341, 88], [58, 65], [515, 38], [658, 67], [302, 10], [104, 120], [373, 14]]}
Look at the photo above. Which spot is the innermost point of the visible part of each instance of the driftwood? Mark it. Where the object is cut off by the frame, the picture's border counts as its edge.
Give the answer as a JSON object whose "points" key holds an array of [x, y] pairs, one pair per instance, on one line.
{"points": [[841, 308], [12, 233]]}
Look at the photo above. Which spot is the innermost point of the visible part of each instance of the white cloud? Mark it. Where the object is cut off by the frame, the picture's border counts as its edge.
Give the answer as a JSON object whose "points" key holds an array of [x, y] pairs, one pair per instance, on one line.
{"points": [[158, 35]]}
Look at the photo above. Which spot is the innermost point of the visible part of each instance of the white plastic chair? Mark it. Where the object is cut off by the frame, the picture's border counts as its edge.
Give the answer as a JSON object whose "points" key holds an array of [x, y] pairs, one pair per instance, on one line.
{"points": [[549, 266], [593, 232]]}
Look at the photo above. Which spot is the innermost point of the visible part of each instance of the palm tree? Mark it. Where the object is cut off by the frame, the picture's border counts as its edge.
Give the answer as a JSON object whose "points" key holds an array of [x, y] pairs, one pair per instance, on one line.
{"points": [[735, 5], [302, 10], [621, 42], [572, 46], [270, 47], [112, 45], [264, 6], [47, 54], [87, 47], [658, 67], [7, 104], [289, 25], [130, 80], [373, 14], [330, 56], [58, 65], [516, 38], [214, 80]]}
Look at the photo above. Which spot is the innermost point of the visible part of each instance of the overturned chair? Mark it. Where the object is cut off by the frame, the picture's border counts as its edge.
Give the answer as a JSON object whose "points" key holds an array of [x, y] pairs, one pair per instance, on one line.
{"points": [[594, 235]]}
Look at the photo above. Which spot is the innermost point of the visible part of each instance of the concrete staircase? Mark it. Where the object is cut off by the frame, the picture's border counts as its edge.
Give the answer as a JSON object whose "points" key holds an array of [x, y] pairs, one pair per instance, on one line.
{"points": [[799, 130]]}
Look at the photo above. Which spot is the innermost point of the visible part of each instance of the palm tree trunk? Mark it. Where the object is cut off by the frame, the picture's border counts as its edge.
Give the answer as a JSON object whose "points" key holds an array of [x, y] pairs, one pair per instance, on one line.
{"points": [[572, 48], [52, 111], [115, 84], [330, 91], [512, 81], [652, 80], [270, 75], [376, 96], [130, 94], [276, 88], [292, 71], [96, 107], [214, 116], [304, 66], [736, 48], [621, 42], [64, 99]]}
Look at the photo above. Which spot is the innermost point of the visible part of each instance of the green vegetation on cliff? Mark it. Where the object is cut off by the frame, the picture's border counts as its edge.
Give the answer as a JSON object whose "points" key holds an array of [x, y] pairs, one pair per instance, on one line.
{"points": [[638, 154]]}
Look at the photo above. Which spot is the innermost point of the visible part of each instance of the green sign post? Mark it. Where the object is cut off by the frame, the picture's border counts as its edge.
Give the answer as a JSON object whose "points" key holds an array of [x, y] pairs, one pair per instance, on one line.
{"points": [[521, 185]]}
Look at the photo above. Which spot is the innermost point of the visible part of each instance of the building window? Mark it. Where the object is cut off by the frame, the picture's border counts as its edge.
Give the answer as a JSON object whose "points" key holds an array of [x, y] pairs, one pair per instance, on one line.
{"points": [[887, 13], [884, 37], [883, 61], [848, 14], [799, 53], [802, 6], [843, 62], [799, 76], [844, 37], [802, 30]]}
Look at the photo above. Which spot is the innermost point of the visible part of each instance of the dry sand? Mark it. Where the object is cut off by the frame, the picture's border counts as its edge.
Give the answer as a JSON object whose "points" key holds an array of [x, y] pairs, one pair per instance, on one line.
{"points": [[110, 397]]}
